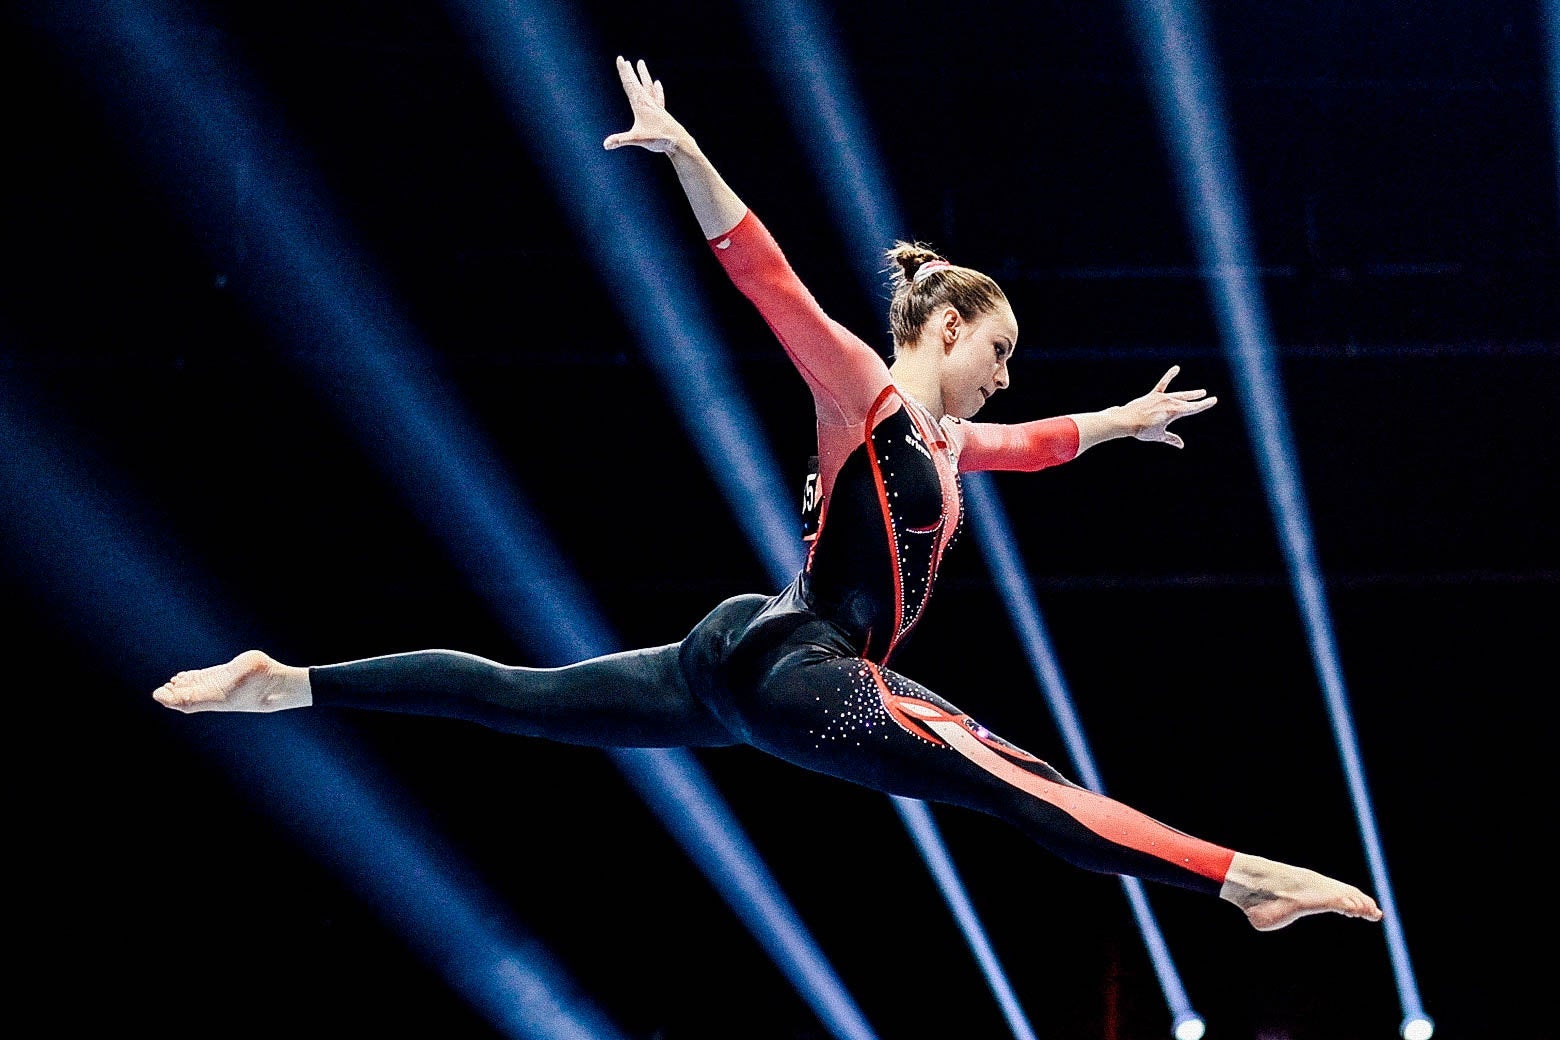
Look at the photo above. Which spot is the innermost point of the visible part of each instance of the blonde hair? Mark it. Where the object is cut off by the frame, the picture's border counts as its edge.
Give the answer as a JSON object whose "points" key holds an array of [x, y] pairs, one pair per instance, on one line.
{"points": [[915, 297]]}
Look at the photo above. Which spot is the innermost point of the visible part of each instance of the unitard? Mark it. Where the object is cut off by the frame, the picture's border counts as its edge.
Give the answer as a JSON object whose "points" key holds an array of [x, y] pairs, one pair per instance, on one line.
{"points": [[803, 674]]}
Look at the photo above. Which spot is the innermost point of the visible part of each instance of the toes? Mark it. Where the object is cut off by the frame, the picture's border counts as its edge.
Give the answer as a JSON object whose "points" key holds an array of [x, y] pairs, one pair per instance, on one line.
{"points": [[170, 694]]}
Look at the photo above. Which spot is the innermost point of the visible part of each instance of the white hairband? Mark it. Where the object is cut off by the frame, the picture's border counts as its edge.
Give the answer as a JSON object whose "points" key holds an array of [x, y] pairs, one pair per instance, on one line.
{"points": [[927, 268]]}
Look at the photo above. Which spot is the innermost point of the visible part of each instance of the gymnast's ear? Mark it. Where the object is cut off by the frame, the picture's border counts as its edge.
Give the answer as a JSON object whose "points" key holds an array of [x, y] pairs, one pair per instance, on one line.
{"points": [[950, 325]]}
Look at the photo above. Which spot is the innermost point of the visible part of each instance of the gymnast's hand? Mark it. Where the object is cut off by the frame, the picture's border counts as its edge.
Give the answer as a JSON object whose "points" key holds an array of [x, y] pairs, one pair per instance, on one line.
{"points": [[653, 128], [1148, 417]]}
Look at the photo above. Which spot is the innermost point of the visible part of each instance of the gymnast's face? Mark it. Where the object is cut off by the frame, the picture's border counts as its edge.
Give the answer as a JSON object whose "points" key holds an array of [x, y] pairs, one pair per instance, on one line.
{"points": [[976, 363]]}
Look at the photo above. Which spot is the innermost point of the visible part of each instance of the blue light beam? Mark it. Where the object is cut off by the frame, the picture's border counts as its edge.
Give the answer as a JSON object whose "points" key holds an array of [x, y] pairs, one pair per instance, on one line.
{"points": [[1174, 53], [994, 534], [349, 334], [81, 547], [671, 781], [1549, 25], [917, 816], [808, 70], [534, 54]]}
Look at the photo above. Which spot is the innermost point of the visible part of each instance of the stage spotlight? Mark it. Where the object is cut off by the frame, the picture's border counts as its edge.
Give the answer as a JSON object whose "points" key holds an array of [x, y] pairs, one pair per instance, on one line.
{"points": [[675, 785], [994, 534], [918, 817], [1417, 1027], [1177, 61], [1190, 1028]]}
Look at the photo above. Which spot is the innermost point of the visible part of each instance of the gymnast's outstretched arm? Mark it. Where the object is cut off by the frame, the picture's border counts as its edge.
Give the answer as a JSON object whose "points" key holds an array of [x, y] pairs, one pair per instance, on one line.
{"points": [[844, 373], [716, 207]]}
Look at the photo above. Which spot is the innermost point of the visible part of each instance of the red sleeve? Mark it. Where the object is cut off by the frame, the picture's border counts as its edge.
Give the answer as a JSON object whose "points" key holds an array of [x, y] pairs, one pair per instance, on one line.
{"points": [[843, 372], [1024, 446]]}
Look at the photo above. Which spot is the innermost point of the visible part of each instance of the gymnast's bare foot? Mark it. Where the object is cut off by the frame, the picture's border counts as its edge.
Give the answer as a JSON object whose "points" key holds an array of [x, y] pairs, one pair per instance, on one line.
{"points": [[252, 681], [1276, 894]]}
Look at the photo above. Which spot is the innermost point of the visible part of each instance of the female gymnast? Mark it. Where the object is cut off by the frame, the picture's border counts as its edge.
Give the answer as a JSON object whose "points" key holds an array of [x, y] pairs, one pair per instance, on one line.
{"points": [[803, 674]]}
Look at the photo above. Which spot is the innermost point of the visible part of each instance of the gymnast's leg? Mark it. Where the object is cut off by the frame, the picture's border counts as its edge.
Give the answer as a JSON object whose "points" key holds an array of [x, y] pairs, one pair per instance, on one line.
{"points": [[637, 698], [849, 718]]}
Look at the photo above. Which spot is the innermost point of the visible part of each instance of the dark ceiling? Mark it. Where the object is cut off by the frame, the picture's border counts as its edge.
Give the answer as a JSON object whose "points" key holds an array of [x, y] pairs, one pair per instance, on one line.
{"points": [[1399, 172]]}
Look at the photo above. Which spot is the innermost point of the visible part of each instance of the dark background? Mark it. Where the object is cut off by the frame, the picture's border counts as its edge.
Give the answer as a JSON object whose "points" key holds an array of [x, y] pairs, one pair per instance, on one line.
{"points": [[1401, 182]]}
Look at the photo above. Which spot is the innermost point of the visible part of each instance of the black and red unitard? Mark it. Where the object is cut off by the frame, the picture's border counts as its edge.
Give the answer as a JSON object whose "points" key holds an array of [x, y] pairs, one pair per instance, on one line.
{"points": [[803, 674]]}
